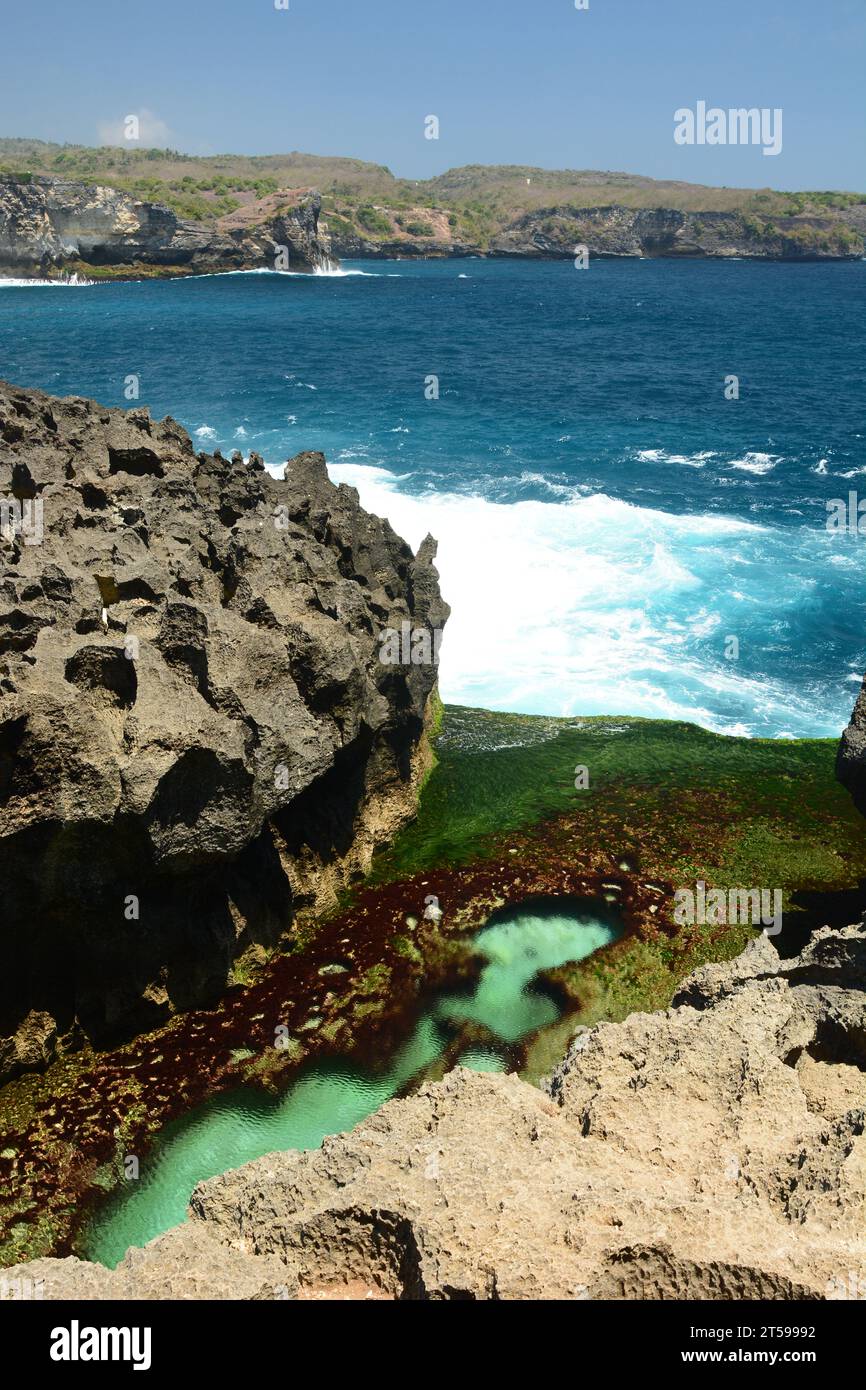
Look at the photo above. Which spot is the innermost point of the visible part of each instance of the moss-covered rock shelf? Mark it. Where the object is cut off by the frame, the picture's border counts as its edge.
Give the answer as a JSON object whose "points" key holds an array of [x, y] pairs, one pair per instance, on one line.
{"points": [[500, 821]]}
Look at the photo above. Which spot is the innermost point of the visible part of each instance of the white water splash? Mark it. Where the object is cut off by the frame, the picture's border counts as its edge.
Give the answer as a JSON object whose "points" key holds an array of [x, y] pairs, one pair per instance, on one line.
{"points": [[33, 282]]}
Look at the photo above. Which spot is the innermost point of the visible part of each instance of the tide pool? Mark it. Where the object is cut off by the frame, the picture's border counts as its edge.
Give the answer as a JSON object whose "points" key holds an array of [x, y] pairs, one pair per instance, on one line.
{"points": [[331, 1096]]}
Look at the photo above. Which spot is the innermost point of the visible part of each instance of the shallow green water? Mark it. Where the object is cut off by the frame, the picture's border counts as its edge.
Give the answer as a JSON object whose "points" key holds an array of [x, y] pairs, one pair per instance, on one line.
{"points": [[332, 1096]]}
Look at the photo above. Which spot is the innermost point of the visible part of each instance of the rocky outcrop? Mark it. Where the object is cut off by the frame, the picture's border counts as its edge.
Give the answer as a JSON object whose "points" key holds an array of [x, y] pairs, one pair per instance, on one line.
{"points": [[200, 743], [49, 227], [555, 232], [713, 1151], [352, 246], [621, 231], [851, 758]]}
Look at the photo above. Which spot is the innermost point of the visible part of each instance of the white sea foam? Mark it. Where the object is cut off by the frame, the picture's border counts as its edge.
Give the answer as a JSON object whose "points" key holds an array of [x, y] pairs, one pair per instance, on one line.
{"points": [[205, 432], [755, 462], [596, 606], [332, 273], [338, 273], [559, 489], [70, 282], [662, 456]]}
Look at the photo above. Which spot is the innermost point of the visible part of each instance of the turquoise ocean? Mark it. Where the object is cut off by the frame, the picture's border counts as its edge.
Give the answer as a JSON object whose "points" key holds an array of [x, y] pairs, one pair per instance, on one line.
{"points": [[607, 519]]}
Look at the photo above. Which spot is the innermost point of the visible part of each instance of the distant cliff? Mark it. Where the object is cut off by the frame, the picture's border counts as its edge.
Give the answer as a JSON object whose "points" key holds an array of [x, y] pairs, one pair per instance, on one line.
{"points": [[479, 209], [556, 232], [51, 227], [621, 231]]}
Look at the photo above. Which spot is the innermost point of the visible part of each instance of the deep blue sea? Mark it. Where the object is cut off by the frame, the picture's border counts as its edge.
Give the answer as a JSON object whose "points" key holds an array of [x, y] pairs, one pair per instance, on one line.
{"points": [[607, 519]]}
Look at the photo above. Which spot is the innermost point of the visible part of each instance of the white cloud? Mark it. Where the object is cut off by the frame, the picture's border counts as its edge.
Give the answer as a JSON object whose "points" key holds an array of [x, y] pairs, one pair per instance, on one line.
{"points": [[151, 130]]}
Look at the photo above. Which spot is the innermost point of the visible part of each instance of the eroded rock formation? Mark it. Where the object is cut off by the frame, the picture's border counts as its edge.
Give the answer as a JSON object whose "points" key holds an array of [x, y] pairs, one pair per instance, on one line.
{"points": [[622, 231], [51, 226], [198, 739], [851, 758], [715, 1150], [556, 231]]}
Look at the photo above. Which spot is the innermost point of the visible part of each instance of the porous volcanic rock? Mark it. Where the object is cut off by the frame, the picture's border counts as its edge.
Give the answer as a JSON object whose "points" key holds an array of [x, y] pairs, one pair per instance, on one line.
{"points": [[712, 1151], [199, 742], [851, 758]]}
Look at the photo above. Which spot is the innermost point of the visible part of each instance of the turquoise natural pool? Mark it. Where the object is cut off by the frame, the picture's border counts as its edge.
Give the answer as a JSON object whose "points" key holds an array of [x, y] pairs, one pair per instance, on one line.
{"points": [[331, 1096]]}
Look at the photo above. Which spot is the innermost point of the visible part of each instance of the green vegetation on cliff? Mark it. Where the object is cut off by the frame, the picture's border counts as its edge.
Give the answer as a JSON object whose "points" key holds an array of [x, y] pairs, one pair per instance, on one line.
{"points": [[480, 200]]}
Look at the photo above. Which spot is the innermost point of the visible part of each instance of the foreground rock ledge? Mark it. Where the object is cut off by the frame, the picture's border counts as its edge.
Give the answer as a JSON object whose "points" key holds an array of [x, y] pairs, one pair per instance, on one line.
{"points": [[199, 743], [713, 1151]]}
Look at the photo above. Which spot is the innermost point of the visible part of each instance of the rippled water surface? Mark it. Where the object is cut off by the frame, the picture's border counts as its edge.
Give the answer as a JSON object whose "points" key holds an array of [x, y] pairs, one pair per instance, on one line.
{"points": [[330, 1097], [607, 519]]}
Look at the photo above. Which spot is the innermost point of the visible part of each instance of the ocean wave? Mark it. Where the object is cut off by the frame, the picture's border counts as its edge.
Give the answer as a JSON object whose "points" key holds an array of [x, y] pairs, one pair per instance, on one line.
{"points": [[72, 282], [338, 273], [332, 273], [596, 605], [662, 456], [755, 462], [528, 479]]}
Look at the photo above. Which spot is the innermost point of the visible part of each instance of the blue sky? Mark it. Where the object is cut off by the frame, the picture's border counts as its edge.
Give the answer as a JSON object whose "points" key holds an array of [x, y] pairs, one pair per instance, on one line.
{"points": [[512, 81]]}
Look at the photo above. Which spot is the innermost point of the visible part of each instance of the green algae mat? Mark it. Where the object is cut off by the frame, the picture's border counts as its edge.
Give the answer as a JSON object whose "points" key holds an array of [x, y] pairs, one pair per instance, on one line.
{"points": [[666, 801], [501, 772]]}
